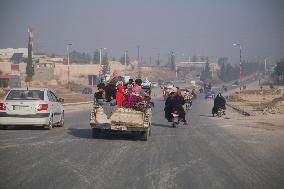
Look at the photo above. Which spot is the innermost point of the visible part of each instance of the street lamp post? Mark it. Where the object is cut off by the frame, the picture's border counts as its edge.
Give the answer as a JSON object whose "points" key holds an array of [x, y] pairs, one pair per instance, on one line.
{"points": [[241, 65], [100, 71], [265, 68], [68, 71], [125, 53]]}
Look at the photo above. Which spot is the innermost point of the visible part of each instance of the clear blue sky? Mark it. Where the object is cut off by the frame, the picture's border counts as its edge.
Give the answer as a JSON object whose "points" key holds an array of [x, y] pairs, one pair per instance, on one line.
{"points": [[189, 27]]}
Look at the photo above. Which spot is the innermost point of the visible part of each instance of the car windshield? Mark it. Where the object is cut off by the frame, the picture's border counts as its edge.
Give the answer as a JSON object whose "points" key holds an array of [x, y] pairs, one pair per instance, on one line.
{"points": [[25, 95]]}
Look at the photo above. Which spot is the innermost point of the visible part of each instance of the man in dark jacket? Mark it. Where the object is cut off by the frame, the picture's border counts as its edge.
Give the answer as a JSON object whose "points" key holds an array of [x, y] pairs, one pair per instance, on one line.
{"points": [[169, 106], [175, 102], [178, 102]]}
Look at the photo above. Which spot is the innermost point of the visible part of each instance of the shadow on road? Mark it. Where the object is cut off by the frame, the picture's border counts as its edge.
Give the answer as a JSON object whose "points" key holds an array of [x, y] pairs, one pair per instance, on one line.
{"points": [[113, 135], [80, 133], [22, 127], [161, 125], [206, 115]]}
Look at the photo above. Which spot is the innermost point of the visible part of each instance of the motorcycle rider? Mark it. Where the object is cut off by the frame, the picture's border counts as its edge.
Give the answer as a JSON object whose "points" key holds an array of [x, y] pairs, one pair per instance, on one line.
{"points": [[169, 106], [178, 102], [219, 102], [188, 98], [193, 93]]}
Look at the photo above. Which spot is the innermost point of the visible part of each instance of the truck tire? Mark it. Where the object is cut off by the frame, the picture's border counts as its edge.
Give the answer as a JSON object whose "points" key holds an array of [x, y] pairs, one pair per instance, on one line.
{"points": [[4, 127], [96, 133], [145, 135]]}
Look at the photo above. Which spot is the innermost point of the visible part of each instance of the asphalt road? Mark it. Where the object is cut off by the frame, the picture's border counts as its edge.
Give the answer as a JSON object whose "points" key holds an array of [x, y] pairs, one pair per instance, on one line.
{"points": [[209, 153]]}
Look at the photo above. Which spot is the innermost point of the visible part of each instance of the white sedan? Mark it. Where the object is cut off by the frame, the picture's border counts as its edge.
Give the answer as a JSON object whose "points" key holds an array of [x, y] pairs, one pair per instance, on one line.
{"points": [[146, 84], [33, 106]]}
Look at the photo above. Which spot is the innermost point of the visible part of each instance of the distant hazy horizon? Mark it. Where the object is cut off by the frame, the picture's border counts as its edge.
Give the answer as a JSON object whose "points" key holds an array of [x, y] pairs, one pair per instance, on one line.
{"points": [[187, 27]]}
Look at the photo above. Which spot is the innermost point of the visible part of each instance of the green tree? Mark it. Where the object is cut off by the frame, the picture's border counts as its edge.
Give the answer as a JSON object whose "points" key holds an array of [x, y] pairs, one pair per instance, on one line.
{"points": [[206, 74], [81, 58], [96, 58], [172, 61], [122, 59], [105, 64], [222, 62], [194, 58], [279, 69]]}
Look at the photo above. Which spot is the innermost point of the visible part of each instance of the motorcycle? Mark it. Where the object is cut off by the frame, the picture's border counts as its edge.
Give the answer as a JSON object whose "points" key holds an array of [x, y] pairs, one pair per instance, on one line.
{"points": [[188, 105], [175, 119], [219, 112]]}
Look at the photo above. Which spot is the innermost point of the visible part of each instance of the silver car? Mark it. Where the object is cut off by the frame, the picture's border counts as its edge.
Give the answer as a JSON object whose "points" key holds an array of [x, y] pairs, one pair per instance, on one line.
{"points": [[33, 106]]}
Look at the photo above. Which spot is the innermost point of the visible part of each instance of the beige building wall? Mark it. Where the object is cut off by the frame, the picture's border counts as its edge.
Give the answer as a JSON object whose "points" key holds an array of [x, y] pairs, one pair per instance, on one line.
{"points": [[8, 52], [22, 68], [5, 67]]}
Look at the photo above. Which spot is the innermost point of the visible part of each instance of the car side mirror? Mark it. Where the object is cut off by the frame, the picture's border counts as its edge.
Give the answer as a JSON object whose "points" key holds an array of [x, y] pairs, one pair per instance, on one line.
{"points": [[61, 100]]}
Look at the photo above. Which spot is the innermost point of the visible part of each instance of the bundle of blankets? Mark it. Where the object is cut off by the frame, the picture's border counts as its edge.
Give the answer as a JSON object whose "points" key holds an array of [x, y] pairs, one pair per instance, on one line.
{"points": [[136, 102]]}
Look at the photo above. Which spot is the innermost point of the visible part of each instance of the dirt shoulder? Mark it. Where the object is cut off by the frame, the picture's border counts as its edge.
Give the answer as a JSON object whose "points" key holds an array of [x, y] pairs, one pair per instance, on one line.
{"points": [[266, 106]]}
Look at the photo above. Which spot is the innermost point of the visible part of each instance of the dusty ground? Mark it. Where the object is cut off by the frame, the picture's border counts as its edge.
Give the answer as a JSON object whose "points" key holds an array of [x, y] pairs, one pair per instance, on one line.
{"points": [[265, 106]]}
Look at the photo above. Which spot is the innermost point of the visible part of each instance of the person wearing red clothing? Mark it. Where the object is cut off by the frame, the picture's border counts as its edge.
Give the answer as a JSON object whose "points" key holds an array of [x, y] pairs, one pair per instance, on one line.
{"points": [[119, 96]]}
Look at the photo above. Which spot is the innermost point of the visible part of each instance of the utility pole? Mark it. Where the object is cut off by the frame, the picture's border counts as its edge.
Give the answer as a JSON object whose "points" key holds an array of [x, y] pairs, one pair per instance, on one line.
{"points": [[30, 68], [265, 67], [100, 71], [241, 65], [68, 71], [125, 53], [139, 62]]}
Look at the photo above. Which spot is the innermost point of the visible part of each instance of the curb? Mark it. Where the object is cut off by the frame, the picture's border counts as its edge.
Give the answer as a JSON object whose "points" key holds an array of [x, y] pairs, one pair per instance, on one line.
{"points": [[78, 103], [239, 110]]}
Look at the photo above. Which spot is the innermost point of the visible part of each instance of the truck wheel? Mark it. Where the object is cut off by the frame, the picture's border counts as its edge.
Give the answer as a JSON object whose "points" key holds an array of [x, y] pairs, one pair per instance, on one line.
{"points": [[96, 133], [4, 127], [145, 135]]}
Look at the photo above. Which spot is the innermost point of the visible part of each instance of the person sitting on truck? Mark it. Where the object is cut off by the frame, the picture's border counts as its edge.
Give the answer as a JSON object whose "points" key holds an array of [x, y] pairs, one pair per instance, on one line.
{"points": [[137, 87], [100, 95], [110, 90], [120, 96], [129, 86], [147, 95]]}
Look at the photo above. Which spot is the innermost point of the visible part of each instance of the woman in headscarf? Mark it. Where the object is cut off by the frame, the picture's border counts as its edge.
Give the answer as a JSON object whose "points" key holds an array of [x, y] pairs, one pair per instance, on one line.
{"points": [[219, 102], [137, 87]]}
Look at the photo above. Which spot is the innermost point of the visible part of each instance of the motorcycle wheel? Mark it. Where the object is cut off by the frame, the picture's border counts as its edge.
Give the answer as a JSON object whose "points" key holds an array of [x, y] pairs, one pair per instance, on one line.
{"points": [[174, 124]]}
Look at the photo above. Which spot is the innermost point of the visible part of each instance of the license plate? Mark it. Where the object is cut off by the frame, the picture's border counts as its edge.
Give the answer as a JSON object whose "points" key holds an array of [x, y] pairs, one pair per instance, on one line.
{"points": [[22, 108], [120, 128], [175, 115]]}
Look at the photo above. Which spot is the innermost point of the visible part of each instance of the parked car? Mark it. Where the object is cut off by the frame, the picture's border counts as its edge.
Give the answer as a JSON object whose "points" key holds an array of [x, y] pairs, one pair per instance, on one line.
{"points": [[146, 84], [169, 85], [235, 83], [33, 106], [210, 94], [87, 90], [154, 84]]}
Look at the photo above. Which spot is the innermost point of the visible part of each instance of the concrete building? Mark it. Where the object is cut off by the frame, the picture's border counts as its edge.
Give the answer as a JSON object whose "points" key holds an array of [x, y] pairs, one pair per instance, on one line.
{"points": [[9, 81], [198, 65], [43, 71], [8, 52]]}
